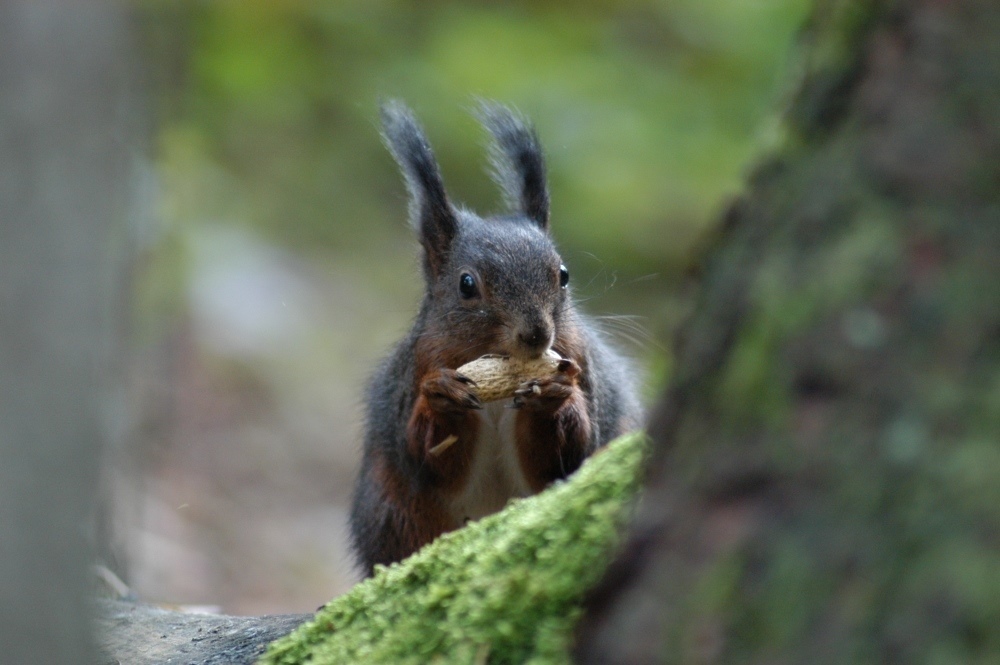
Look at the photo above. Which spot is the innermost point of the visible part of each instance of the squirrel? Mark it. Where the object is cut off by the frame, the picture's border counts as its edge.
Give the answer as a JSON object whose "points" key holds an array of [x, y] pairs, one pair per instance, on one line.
{"points": [[494, 285]]}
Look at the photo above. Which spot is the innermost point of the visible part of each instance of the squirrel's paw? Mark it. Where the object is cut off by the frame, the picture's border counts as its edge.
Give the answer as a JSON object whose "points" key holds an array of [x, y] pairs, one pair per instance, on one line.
{"points": [[447, 391], [548, 394]]}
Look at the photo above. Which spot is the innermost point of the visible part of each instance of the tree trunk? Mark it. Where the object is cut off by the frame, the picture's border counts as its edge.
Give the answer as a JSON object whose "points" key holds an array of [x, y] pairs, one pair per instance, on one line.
{"points": [[61, 169], [826, 481]]}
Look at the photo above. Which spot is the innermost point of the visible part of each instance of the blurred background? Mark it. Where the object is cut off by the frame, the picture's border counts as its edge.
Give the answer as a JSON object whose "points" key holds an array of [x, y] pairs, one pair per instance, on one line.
{"points": [[277, 266]]}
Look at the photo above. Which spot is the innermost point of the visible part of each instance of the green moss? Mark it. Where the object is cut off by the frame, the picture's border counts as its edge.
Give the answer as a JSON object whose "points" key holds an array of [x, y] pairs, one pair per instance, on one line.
{"points": [[838, 27], [832, 58], [793, 290], [505, 589], [750, 390]]}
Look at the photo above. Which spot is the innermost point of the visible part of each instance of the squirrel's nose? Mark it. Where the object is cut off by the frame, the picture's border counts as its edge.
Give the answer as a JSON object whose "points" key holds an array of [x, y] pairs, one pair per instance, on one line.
{"points": [[537, 338]]}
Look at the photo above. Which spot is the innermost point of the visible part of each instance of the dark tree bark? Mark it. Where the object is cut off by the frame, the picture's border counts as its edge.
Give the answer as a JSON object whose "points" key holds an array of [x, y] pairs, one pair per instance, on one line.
{"points": [[145, 635], [826, 482], [62, 165]]}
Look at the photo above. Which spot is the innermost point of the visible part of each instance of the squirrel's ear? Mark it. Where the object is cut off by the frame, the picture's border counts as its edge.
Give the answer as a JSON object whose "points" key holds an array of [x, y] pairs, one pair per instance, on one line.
{"points": [[517, 162], [430, 211]]}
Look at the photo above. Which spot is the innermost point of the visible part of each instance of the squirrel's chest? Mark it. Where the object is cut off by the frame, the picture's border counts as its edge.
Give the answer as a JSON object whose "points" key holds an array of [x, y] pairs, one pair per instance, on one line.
{"points": [[495, 475]]}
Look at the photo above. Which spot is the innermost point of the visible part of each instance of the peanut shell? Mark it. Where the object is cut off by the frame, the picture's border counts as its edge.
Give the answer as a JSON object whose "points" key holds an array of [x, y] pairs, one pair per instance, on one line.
{"points": [[497, 377]]}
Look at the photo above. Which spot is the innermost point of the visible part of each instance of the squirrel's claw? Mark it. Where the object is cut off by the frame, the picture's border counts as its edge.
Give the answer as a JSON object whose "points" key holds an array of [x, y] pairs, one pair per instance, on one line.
{"points": [[466, 380], [447, 391], [528, 390], [548, 393]]}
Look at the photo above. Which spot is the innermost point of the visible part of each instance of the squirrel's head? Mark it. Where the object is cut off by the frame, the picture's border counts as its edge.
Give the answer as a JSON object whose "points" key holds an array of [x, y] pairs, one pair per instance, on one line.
{"points": [[494, 284]]}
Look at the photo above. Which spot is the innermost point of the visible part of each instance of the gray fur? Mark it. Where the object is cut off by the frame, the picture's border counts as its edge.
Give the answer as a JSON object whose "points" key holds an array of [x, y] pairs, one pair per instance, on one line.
{"points": [[516, 265], [516, 160]]}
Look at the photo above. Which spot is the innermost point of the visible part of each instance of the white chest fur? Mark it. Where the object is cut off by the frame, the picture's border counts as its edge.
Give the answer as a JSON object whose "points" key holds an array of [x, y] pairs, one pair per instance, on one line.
{"points": [[496, 475]]}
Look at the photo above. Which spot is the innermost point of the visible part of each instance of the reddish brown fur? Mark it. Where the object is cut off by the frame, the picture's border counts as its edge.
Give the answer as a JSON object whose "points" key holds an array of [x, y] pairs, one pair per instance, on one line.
{"points": [[428, 428], [438, 414], [553, 429], [417, 519]]}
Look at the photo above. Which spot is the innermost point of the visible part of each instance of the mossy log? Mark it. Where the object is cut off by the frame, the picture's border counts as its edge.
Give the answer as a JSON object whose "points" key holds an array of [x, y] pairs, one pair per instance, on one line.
{"points": [[826, 481], [504, 589]]}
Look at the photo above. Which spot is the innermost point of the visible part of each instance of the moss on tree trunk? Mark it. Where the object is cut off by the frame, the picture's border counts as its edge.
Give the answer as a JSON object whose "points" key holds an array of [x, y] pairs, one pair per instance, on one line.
{"points": [[505, 589], [826, 480]]}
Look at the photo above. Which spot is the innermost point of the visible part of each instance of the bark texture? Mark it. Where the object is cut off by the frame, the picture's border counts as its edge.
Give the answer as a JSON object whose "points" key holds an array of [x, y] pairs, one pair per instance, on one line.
{"points": [[145, 635], [825, 482], [62, 167]]}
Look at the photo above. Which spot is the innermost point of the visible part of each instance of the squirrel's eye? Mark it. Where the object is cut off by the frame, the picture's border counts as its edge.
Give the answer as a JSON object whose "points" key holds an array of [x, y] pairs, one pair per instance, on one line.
{"points": [[467, 286], [563, 276]]}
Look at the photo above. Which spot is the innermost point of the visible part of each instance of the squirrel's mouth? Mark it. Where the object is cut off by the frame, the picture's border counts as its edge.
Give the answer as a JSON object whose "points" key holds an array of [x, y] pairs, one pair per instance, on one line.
{"points": [[521, 352], [526, 342]]}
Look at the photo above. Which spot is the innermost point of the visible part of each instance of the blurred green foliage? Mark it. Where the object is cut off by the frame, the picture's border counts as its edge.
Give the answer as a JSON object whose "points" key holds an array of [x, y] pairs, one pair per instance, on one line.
{"points": [[648, 110], [280, 265]]}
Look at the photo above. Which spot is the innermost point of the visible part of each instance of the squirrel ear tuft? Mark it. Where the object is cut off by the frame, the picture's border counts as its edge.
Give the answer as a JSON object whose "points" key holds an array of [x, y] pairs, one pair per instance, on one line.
{"points": [[518, 166], [430, 211]]}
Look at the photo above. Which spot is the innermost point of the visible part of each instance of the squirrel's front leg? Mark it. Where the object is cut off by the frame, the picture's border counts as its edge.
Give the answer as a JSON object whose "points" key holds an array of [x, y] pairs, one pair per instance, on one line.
{"points": [[443, 426], [553, 428]]}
